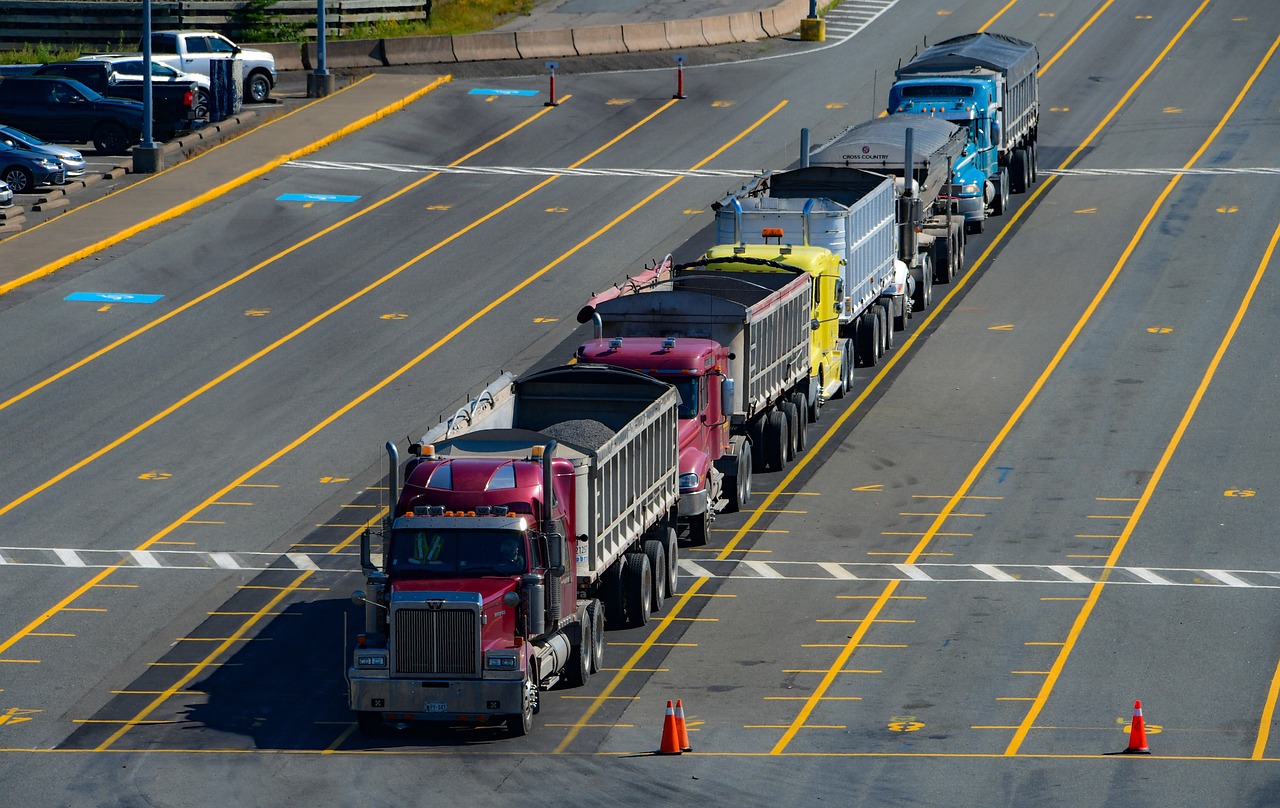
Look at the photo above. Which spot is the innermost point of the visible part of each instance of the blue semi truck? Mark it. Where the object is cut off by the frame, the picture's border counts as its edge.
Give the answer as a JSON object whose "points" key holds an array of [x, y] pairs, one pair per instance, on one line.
{"points": [[988, 84]]}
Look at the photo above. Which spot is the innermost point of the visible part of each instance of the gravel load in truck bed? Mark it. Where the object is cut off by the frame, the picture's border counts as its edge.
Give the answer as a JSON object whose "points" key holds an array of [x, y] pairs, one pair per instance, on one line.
{"points": [[584, 432]]}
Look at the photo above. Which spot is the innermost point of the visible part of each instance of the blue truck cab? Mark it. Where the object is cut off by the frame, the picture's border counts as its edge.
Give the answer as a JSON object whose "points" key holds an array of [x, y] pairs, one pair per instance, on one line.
{"points": [[987, 84]]}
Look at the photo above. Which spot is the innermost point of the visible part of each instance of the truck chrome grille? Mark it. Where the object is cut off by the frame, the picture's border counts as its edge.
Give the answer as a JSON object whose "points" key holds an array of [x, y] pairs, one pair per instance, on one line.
{"points": [[436, 642]]}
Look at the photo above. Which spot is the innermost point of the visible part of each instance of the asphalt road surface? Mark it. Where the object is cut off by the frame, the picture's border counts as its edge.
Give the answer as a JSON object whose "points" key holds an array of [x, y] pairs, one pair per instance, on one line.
{"points": [[1053, 497]]}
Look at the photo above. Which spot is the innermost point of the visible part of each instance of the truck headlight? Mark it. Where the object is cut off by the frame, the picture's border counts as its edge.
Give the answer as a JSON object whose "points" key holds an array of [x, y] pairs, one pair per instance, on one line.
{"points": [[689, 480], [371, 660], [505, 661]]}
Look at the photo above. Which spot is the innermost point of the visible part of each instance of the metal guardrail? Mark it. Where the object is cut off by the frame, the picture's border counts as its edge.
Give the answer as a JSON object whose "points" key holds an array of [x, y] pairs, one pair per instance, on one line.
{"points": [[117, 24]]}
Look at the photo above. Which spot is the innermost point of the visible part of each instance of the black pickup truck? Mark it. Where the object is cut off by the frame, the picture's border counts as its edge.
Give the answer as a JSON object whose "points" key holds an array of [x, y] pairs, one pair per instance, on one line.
{"points": [[175, 106], [66, 111]]}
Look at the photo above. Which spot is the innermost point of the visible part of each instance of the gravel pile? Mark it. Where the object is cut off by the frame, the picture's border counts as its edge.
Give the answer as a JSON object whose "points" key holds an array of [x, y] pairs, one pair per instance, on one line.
{"points": [[584, 432]]}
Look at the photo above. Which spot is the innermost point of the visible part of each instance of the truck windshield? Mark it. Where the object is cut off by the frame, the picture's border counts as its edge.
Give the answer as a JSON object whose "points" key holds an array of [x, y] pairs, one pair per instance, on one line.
{"points": [[456, 553], [689, 404]]}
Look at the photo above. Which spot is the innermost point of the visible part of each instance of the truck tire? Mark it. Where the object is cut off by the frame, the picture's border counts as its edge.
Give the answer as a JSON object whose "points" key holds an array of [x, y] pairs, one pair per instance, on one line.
{"points": [[595, 609], [521, 724], [1002, 193], [658, 573], [637, 589], [775, 441], [1035, 169], [257, 87], [578, 671], [613, 594], [110, 138], [868, 354], [884, 307], [1019, 172], [699, 527], [847, 360], [802, 422], [672, 548], [755, 434], [923, 297], [900, 320], [369, 723], [792, 419], [739, 485]]}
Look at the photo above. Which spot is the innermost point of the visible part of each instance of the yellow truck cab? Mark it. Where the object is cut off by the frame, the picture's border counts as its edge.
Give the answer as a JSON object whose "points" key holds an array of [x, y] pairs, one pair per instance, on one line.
{"points": [[829, 372]]}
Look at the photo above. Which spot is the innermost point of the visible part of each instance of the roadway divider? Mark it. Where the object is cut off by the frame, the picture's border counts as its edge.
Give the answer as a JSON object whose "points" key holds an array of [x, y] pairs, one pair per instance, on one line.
{"points": [[716, 31], [747, 26], [485, 47], [345, 53], [419, 50], [645, 36], [544, 44], [599, 39], [685, 33]]}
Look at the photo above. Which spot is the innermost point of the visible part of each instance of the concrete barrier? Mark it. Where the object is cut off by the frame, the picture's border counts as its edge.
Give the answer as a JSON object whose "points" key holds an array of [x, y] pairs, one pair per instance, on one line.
{"points": [[645, 36], [788, 14], [485, 47], [345, 53], [716, 31], [599, 39], [418, 50], [288, 55], [544, 44], [685, 33], [745, 26]]}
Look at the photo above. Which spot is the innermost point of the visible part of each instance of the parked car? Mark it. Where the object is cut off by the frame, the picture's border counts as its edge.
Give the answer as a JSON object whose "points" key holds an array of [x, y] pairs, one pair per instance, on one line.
{"points": [[6, 195], [66, 111], [24, 171], [193, 50], [173, 106], [127, 69], [71, 159]]}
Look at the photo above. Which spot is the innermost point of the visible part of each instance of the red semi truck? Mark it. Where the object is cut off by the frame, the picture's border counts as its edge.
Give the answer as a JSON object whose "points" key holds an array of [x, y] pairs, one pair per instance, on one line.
{"points": [[732, 333], [541, 510]]}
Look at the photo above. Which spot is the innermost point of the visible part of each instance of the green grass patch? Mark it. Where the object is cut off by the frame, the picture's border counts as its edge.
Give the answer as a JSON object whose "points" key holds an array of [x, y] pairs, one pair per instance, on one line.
{"points": [[447, 17]]}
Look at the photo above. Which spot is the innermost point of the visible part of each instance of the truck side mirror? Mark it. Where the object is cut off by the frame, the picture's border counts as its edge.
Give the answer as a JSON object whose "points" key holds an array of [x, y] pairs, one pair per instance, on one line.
{"points": [[814, 324], [555, 553]]}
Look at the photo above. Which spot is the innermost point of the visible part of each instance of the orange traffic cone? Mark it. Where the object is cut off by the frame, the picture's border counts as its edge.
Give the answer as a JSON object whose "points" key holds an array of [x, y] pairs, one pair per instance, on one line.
{"points": [[1137, 733], [682, 729], [670, 733]]}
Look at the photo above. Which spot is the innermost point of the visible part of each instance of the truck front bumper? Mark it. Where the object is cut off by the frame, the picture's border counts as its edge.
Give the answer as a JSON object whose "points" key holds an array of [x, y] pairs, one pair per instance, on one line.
{"points": [[692, 504], [471, 700], [972, 208]]}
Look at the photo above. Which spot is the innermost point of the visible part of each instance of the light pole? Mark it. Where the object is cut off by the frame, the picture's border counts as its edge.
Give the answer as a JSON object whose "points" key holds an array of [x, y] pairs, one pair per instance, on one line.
{"points": [[147, 157], [321, 82]]}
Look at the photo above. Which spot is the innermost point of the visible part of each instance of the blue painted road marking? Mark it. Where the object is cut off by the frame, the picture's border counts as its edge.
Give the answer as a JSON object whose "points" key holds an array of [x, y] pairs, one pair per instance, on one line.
{"points": [[112, 297], [315, 198], [502, 92]]}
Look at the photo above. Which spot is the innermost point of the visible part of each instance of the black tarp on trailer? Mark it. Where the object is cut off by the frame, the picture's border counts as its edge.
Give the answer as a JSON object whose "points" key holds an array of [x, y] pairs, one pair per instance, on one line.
{"points": [[1015, 58], [880, 145]]}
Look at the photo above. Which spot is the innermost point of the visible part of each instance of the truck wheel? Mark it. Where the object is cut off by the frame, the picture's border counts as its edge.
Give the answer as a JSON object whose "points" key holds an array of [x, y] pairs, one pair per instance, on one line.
{"points": [[740, 484], [578, 671], [699, 527], [613, 594], [638, 589], [1019, 173], [257, 88], [814, 410], [1031, 154], [658, 573], [755, 434], [1002, 193], [847, 360], [802, 422], [923, 298], [595, 609], [110, 138], [521, 723], [20, 180], [792, 419], [775, 441], [369, 723], [886, 325], [672, 548], [900, 320], [868, 339]]}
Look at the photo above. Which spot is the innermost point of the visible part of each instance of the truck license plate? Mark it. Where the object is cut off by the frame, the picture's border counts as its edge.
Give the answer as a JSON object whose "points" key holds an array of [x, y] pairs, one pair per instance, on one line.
{"points": [[437, 707]]}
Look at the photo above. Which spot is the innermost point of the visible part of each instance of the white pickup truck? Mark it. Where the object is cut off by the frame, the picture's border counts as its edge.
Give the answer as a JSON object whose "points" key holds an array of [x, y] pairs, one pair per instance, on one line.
{"points": [[191, 51]]}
